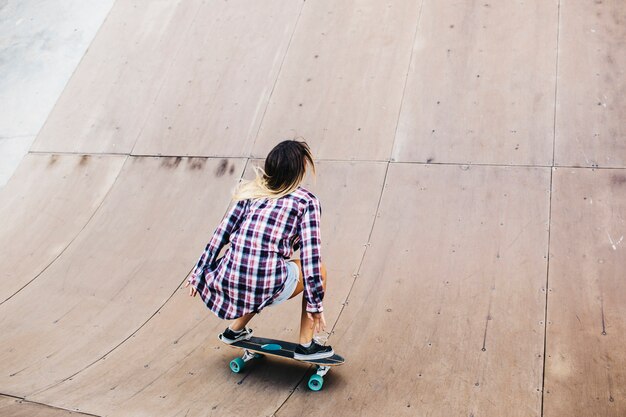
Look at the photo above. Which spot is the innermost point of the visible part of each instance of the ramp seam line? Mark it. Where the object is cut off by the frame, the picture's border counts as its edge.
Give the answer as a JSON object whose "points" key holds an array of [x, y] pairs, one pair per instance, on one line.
{"points": [[470, 164], [556, 81], [369, 238], [406, 80], [48, 405], [380, 198], [547, 286], [545, 318], [142, 325], [55, 384], [280, 70], [97, 210], [165, 77]]}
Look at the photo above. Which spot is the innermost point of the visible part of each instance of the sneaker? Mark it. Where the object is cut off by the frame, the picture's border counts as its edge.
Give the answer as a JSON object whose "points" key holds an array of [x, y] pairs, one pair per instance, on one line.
{"points": [[230, 336], [313, 352]]}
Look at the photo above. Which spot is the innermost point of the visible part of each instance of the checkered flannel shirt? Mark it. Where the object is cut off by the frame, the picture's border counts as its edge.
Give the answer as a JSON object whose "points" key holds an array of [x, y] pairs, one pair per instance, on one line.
{"points": [[263, 235]]}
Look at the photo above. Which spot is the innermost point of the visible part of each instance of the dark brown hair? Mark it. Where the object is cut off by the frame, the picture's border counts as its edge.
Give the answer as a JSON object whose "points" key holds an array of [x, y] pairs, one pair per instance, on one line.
{"points": [[286, 164], [285, 168]]}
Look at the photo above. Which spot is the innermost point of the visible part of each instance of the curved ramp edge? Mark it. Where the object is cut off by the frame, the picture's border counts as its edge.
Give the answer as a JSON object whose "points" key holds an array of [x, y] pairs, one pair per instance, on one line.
{"points": [[45, 205], [117, 273], [16, 407]]}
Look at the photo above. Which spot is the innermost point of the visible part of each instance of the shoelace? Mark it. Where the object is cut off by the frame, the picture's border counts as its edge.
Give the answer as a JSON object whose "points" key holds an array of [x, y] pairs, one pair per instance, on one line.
{"points": [[321, 340]]}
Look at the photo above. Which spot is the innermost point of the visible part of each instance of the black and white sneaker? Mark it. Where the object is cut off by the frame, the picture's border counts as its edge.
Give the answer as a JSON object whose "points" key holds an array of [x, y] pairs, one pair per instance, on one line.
{"points": [[313, 352], [230, 336]]}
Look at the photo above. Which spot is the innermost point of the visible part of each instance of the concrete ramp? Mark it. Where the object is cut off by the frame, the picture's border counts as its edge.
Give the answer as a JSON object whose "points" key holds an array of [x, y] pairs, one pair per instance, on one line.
{"points": [[472, 173], [43, 209]]}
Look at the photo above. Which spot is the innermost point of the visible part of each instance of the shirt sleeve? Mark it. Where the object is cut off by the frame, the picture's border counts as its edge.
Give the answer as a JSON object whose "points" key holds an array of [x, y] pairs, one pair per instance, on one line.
{"points": [[310, 257], [221, 236]]}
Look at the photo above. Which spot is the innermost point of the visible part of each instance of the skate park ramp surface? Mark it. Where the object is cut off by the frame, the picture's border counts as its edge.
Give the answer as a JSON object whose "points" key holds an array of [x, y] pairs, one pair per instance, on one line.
{"points": [[471, 165]]}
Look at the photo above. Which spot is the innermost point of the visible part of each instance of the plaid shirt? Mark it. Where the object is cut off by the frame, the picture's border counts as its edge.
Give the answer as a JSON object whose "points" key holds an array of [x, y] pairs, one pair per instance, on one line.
{"points": [[263, 234]]}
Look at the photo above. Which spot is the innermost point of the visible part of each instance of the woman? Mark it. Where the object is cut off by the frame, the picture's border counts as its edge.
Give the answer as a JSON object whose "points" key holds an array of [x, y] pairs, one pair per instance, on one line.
{"points": [[273, 217]]}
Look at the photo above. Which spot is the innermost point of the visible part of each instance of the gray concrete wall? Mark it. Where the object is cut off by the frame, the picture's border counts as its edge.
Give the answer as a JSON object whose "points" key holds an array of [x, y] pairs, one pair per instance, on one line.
{"points": [[41, 43]]}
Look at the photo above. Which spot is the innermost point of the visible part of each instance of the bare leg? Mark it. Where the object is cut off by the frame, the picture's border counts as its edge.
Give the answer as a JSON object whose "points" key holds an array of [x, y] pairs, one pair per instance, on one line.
{"points": [[306, 325], [241, 322]]}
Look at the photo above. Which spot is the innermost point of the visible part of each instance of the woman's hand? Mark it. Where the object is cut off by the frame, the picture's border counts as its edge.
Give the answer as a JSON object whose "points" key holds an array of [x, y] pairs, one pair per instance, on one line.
{"points": [[192, 291], [318, 323]]}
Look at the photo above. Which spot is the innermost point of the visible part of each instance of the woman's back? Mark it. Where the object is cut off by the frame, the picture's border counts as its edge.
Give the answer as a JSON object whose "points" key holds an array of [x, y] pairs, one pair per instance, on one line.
{"points": [[263, 234]]}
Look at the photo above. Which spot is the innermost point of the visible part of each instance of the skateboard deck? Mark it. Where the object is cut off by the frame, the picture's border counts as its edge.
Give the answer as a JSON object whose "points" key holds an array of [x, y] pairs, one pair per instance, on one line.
{"points": [[256, 347]]}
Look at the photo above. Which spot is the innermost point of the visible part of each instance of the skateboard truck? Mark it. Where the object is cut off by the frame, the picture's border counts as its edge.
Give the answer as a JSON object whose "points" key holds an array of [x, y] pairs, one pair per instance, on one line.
{"points": [[236, 365]]}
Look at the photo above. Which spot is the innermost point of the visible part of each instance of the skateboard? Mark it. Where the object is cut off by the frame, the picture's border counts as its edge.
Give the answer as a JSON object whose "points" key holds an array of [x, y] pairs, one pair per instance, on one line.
{"points": [[257, 347]]}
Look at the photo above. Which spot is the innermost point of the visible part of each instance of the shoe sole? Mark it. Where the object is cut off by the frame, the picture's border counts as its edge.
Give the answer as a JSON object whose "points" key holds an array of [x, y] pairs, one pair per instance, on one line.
{"points": [[315, 356]]}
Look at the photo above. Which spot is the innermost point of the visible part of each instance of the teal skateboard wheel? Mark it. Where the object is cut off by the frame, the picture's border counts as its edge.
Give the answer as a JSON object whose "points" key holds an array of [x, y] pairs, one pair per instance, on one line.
{"points": [[236, 365], [316, 382]]}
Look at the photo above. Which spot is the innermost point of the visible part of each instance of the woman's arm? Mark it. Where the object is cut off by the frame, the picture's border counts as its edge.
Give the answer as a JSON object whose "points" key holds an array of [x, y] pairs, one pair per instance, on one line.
{"points": [[310, 257], [221, 236]]}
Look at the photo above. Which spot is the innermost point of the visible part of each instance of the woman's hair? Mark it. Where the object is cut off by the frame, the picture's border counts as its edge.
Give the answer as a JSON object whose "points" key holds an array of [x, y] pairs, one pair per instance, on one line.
{"points": [[285, 168]]}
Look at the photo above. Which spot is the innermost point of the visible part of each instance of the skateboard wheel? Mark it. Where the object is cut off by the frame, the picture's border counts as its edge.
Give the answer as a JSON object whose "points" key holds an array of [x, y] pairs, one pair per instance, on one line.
{"points": [[236, 365], [316, 382]]}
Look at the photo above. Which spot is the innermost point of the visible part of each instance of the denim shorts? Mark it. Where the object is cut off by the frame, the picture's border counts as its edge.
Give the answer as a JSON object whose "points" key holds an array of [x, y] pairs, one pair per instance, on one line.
{"points": [[293, 276]]}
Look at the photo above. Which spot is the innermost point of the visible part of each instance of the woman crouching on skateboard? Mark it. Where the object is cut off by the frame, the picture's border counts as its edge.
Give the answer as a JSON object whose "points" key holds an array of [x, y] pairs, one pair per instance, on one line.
{"points": [[273, 216]]}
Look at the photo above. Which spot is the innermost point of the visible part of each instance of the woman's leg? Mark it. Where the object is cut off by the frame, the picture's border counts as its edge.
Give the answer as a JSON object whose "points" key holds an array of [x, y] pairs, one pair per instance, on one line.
{"points": [[306, 328], [306, 325], [241, 322]]}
